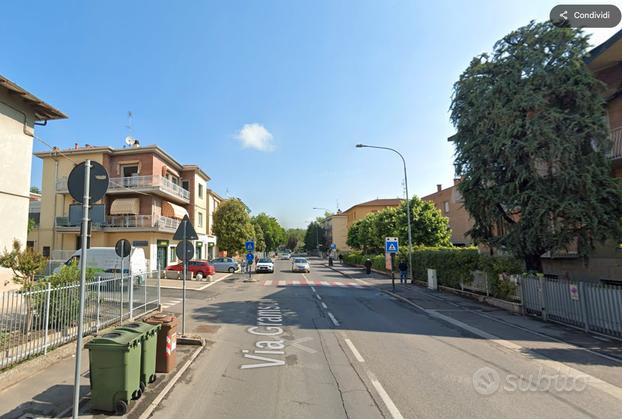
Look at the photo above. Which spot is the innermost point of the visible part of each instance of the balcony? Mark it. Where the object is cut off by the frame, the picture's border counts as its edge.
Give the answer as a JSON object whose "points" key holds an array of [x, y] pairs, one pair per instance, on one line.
{"points": [[156, 184], [124, 223], [616, 144]]}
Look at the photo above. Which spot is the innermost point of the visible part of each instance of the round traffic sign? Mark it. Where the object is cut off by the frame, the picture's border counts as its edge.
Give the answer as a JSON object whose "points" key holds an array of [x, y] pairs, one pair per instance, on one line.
{"points": [[179, 251], [250, 257], [123, 248], [98, 184]]}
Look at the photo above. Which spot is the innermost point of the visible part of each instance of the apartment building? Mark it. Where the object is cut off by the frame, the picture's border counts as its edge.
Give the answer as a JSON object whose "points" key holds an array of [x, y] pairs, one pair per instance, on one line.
{"points": [[149, 193], [337, 230], [20, 111], [449, 201], [213, 201]]}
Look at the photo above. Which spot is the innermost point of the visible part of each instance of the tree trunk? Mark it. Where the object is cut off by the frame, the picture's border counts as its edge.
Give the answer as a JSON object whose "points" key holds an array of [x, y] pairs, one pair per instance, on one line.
{"points": [[533, 263]]}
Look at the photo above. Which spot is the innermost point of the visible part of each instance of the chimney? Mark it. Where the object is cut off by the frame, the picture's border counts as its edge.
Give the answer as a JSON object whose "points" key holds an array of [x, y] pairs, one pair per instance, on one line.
{"points": [[456, 181], [439, 187]]}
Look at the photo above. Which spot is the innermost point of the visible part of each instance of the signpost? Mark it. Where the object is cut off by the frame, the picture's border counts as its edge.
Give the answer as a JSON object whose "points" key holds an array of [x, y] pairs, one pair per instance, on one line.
{"points": [[391, 247], [185, 252], [123, 248], [87, 182], [250, 248]]}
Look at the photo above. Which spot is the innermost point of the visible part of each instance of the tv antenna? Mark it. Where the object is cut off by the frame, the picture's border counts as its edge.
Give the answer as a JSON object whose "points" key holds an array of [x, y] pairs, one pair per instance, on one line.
{"points": [[129, 140]]}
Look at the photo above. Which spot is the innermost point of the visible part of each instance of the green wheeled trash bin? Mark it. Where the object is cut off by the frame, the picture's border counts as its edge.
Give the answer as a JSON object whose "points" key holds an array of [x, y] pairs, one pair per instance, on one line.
{"points": [[149, 340], [114, 360]]}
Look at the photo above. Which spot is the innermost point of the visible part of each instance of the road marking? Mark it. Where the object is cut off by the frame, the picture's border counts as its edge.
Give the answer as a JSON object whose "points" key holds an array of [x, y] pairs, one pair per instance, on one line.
{"points": [[268, 282], [325, 284], [312, 288], [169, 386], [354, 284], [318, 296], [215, 282], [295, 282], [355, 351], [332, 318], [340, 284], [597, 383], [282, 283], [324, 305], [385, 397]]}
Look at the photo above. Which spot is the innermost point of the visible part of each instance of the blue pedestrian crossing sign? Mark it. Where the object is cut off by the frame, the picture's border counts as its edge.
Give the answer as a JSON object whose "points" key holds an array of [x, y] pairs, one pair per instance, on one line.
{"points": [[391, 245], [250, 246], [249, 258], [333, 246]]}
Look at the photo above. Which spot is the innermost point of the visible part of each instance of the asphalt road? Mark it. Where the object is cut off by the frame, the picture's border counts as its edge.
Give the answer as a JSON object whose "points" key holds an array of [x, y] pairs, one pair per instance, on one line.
{"points": [[320, 345]]}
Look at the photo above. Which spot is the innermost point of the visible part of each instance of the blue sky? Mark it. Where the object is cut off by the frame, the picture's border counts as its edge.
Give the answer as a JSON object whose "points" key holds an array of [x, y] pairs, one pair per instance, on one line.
{"points": [[269, 97]]}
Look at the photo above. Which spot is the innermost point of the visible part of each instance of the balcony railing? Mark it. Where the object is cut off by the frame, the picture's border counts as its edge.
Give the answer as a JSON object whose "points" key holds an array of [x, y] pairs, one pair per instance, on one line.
{"points": [[149, 222], [616, 144], [147, 182]]}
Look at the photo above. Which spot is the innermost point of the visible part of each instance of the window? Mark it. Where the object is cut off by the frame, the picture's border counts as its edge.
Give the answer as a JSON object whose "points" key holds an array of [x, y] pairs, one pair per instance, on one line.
{"points": [[185, 184], [129, 170], [200, 190], [173, 256], [46, 251], [446, 207], [200, 219]]}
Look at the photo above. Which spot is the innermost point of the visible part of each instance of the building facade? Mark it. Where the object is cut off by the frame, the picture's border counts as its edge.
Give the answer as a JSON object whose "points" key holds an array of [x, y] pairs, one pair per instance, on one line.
{"points": [[149, 194], [20, 111], [449, 201]]}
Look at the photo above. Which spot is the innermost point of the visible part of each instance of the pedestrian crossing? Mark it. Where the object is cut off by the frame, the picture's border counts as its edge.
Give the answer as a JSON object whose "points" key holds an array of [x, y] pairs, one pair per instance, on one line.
{"points": [[295, 282], [170, 303]]}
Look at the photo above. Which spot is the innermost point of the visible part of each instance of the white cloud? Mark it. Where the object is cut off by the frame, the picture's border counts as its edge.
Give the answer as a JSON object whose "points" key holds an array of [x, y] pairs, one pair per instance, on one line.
{"points": [[255, 136]]}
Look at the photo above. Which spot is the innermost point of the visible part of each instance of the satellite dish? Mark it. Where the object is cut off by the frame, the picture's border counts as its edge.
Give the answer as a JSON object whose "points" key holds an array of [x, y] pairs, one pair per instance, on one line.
{"points": [[130, 141]]}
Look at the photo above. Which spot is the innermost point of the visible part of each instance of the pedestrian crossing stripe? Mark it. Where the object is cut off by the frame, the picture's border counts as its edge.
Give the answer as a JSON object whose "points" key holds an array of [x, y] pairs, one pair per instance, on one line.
{"points": [[337, 284]]}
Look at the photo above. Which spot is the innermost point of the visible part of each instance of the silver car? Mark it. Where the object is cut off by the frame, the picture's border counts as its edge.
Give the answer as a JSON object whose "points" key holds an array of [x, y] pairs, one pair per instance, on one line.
{"points": [[225, 265], [300, 265]]}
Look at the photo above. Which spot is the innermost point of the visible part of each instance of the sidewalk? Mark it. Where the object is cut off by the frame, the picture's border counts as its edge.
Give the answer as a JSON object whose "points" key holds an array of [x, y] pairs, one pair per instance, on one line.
{"points": [[596, 355]]}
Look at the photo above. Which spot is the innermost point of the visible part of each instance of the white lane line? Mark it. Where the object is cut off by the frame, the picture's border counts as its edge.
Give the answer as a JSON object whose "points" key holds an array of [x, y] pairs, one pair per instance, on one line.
{"points": [[282, 283], [354, 284], [339, 283], [597, 383], [324, 305], [169, 386], [268, 282], [295, 282], [332, 318], [325, 283], [318, 296], [312, 288], [385, 397], [355, 351], [215, 282]]}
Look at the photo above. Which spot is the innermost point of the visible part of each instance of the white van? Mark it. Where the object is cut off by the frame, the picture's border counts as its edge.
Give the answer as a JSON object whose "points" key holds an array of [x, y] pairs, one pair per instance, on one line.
{"points": [[105, 259]]}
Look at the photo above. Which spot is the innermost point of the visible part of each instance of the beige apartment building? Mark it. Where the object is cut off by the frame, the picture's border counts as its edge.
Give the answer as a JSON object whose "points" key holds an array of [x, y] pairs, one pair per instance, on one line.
{"points": [[149, 193], [20, 111], [449, 202], [338, 225]]}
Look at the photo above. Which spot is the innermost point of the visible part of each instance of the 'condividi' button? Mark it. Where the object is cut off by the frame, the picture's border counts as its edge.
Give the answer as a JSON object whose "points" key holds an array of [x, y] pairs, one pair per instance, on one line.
{"points": [[586, 15]]}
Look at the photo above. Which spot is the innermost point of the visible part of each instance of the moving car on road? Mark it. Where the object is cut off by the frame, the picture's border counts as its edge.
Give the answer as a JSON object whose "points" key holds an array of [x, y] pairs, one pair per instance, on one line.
{"points": [[300, 265], [285, 256], [199, 268], [265, 265], [225, 265]]}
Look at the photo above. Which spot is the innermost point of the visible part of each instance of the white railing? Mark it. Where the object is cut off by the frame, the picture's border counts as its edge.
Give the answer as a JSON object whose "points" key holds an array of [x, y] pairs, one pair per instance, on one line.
{"points": [[153, 181], [128, 221], [616, 144], [33, 322]]}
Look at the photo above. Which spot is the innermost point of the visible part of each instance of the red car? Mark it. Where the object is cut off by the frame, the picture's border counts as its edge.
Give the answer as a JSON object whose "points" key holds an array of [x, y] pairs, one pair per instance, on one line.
{"points": [[199, 268]]}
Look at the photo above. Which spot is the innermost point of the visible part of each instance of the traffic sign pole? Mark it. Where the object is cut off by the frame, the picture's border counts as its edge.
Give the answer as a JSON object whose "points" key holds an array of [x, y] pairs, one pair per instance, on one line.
{"points": [[84, 238], [183, 300]]}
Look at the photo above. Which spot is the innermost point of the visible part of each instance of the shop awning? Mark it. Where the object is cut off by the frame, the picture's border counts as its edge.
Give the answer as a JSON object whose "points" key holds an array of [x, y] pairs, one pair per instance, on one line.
{"points": [[123, 206], [173, 211]]}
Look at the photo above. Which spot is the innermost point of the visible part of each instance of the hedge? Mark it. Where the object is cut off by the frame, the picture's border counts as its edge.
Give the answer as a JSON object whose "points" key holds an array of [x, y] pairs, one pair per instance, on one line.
{"points": [[453, 265]]}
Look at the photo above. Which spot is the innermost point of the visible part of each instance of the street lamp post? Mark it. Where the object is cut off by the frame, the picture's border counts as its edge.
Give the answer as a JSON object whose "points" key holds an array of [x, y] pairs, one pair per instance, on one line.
{"points": [[410, 239]]}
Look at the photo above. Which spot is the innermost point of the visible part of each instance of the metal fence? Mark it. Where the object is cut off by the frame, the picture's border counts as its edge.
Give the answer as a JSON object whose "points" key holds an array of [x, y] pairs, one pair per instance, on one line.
{"points": [[33, 322], [589, 305], [481, 284]]}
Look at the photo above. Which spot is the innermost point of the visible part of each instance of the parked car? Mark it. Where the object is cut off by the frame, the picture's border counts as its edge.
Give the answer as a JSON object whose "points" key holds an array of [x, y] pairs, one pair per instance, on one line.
{"points": [[265, 265], [105, 259], [199, 268], [300, 265], [225, 264], [285, 256]]}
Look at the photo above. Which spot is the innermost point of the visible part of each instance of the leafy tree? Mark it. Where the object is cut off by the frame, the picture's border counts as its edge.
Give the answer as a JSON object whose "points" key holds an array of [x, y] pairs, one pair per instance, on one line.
{"points": [[35, 189], [32, 224], [273, 233], [429, 226], [232, 225], [532, 143], [260, 243], [314, 236], [294, 238]]}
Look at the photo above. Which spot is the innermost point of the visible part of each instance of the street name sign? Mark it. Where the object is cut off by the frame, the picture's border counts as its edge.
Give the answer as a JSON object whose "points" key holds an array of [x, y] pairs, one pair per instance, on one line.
{"points": [[391, 244]]}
